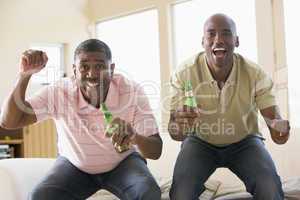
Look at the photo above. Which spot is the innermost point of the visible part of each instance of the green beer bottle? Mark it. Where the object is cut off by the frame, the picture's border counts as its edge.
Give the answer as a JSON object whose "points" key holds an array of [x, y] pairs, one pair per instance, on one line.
{"points": [[190, 101], [108, 117]]}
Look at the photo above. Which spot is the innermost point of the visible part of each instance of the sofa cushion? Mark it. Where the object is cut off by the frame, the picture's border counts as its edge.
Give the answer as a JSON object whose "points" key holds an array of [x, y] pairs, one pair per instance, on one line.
{"points": [[291, 188], [165, 185], [235, 196], [22, 175], [19, 176]]}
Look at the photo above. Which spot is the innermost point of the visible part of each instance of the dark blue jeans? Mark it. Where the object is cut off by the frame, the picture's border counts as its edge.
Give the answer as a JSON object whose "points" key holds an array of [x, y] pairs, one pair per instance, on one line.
{"points": [[248, 159], [130, 180]]}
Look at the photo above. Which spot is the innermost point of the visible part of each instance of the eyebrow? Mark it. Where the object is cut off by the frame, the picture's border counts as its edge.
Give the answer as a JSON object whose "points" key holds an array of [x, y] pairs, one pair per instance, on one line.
{"points": [[210, 30], [227, 30], [98, 60]]}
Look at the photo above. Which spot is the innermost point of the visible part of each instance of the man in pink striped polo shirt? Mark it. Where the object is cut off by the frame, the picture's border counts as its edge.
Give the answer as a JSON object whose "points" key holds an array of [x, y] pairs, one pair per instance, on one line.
{"points": [[87, 158]]}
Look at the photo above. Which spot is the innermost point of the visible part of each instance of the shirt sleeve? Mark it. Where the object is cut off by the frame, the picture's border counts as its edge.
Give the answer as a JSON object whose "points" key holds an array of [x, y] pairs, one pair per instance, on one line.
{"points": [[264, 91], [144, 121], [43, 103]]}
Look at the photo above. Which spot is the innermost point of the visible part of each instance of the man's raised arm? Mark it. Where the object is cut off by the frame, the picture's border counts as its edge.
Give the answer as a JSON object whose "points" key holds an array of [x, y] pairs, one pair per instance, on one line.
{"points": [[16, 112]]}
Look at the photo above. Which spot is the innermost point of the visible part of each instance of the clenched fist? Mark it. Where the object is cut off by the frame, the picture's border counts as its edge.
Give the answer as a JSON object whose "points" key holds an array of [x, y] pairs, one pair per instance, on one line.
{"points": [[183, 120], [32, 61], [280, 130], [122, 134]]}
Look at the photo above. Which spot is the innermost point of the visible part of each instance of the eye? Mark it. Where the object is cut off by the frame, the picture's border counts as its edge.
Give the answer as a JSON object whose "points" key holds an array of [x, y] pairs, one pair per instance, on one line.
{"points": [[83, 67], [210, 34], [227, 33], [100, 66]]}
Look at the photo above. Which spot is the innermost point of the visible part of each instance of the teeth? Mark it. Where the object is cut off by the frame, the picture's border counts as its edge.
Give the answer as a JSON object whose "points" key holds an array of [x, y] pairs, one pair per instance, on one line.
{"points": [[93, 83], [219, 49]]}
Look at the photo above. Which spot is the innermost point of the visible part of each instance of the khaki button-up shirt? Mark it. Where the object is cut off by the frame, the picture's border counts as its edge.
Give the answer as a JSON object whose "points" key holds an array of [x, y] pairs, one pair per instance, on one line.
{"points": [[229, 114]]}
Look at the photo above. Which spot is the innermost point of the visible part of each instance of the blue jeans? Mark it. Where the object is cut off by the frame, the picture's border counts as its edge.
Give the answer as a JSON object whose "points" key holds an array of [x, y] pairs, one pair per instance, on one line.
{"points": [[248, 159], [130, 180]]}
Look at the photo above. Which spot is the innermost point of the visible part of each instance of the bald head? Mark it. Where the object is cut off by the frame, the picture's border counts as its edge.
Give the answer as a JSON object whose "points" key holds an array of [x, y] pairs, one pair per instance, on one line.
{"points": [[219, 17], [219, 41]]}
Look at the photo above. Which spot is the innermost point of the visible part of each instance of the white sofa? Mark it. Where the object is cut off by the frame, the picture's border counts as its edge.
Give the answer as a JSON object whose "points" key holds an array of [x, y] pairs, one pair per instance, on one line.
{"points": [[19, 176]]}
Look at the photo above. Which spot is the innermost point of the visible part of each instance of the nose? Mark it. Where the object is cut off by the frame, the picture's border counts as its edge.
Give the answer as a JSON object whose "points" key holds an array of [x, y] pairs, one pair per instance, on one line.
{"points": [[219, 39]]}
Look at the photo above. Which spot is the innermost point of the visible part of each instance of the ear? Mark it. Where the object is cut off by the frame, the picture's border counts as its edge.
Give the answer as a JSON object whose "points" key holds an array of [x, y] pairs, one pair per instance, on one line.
{"points": [[74, 69], [202, 42], [112, 69], [237, 42]]}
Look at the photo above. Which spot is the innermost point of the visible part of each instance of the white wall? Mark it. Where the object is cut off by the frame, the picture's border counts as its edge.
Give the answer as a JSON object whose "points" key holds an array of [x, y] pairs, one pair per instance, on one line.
{"points": [[24, 22]]}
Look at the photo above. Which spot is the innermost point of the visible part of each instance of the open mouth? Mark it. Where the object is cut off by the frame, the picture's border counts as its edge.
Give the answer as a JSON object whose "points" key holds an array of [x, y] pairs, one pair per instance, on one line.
{"points": [[219, 52], [93, 83]]}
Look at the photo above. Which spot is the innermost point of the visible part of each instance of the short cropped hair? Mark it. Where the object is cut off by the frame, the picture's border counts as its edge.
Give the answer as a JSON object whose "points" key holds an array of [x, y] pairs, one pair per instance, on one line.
{"points": [[92, 45]]}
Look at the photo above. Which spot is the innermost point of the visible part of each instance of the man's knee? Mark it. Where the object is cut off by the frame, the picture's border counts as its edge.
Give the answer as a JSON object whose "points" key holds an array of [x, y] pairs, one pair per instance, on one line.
{"points": [[39, 192], [146, 189], [269, 182], [268, 186], [49, 193], [150, 190], [184, 188]]}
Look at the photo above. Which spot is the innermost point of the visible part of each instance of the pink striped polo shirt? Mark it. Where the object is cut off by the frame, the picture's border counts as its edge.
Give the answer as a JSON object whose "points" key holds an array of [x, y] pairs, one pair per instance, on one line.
{"points": [[80, 126]]}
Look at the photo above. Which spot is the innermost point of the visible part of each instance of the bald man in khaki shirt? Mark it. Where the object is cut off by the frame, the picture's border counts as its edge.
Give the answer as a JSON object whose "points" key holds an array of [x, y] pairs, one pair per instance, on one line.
{"points": [[229, 90]]}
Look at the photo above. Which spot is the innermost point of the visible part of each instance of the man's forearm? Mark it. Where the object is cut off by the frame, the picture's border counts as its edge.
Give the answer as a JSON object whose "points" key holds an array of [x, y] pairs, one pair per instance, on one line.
{"points": [[150, 147], [278, 127], [15, 105]]}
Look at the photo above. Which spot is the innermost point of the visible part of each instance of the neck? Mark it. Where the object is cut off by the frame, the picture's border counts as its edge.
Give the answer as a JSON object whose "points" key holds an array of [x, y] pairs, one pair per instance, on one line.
{"points": [[220, 73]]}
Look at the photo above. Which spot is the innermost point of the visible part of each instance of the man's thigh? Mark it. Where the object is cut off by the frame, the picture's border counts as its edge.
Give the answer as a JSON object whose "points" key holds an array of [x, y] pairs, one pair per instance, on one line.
{"points": [[196, 161], [64, 182], [250, 160], [131, 180]]}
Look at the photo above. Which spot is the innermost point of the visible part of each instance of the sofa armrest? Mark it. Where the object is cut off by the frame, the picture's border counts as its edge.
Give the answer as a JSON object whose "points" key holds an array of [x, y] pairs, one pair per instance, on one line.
{"points": [[19, 175], [6, 186]]}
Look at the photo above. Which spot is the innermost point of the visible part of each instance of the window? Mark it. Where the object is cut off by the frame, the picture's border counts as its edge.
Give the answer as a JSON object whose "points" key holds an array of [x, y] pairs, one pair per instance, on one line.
{"points": [[292, 33], [54, 69], [189, 17], [134, 43]]}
